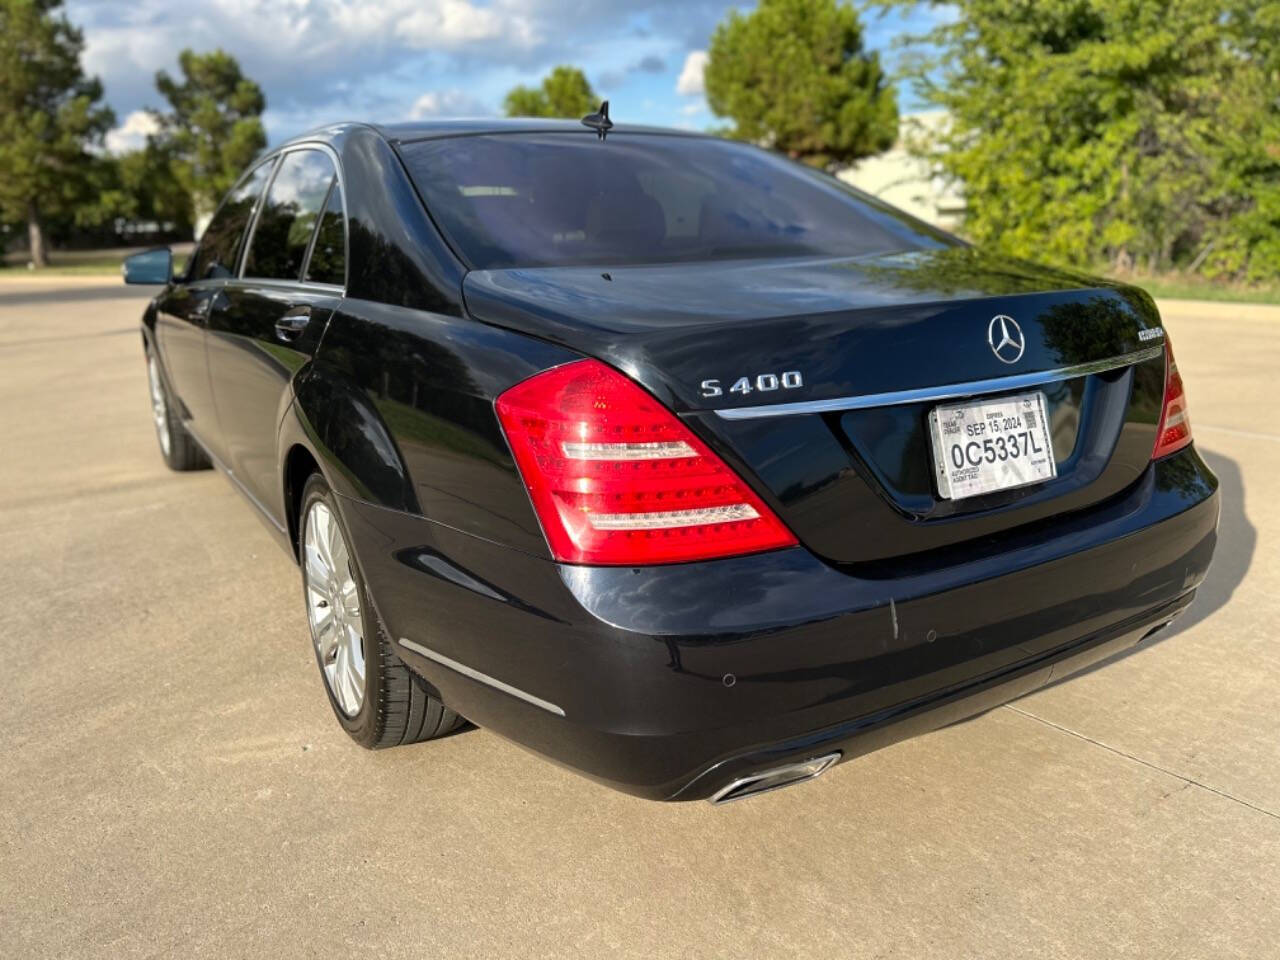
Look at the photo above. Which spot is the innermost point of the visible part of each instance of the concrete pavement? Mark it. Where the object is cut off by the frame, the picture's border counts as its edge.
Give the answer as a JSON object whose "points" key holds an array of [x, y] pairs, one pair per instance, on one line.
{"points": [[173, 784]]}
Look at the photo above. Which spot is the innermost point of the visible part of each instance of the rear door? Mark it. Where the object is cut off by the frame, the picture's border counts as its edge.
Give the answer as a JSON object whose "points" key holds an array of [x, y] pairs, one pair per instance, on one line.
{"points": [[269, 321], [182, 316]]}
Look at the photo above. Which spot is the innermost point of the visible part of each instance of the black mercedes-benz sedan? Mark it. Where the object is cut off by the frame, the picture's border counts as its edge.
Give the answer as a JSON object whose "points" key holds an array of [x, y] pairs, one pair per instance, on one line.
{"points": [[677, 462]]}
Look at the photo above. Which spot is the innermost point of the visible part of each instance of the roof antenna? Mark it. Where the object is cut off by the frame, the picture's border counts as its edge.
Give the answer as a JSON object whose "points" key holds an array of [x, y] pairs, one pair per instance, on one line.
{"points": [[599, 121]]}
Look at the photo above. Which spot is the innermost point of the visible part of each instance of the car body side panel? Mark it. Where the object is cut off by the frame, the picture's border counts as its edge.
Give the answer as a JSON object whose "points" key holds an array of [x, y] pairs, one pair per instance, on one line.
{"points": [[349, 439], [428, 382]]}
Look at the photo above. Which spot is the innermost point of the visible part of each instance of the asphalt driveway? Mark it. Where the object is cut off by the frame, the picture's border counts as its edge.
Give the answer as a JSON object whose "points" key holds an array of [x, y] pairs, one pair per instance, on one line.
{"points": [[173, 784]]}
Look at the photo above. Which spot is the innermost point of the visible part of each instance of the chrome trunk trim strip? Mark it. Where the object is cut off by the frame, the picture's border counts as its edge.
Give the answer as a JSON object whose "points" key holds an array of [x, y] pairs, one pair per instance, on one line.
{"points": [[952, 391]]}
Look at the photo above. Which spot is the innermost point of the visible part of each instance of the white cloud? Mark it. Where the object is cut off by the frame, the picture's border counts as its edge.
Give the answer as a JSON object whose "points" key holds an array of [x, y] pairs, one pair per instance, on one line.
{"points": [[689, 109], [300, 50], [690, 80], [132, 134], [437, 24], [319, 61], [447, 103], [456, 23]]}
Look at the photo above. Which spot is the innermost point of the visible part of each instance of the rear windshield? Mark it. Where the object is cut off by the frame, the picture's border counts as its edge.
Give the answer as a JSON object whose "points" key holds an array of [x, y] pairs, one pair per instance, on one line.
{"points": [[565, 199]]}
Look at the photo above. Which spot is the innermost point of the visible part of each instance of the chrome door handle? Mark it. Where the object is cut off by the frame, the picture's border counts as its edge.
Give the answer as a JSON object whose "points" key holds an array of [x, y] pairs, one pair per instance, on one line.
{"points": [[293, 323]]}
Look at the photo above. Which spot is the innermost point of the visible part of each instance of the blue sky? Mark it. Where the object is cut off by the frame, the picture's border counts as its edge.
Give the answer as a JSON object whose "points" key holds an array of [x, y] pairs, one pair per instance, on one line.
{"points": [[325, 60]]}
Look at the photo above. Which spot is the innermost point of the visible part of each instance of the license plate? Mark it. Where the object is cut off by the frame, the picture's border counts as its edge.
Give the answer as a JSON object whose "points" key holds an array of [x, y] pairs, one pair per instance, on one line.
{"points": [[990, 445]]}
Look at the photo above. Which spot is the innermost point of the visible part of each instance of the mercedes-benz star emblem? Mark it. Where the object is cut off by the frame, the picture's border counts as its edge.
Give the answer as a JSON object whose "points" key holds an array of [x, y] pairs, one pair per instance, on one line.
{"points": [[1005, 338]]}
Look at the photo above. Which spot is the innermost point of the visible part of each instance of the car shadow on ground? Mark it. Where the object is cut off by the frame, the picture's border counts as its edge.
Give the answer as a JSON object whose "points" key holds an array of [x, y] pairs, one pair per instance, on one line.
{"points": [[1237, 539]]}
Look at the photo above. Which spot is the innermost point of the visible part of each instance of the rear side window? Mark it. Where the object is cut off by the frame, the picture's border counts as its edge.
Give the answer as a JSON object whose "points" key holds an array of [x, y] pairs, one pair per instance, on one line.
{"points": [[220, 246], [289, 215], [563, 199], [328, 263]]}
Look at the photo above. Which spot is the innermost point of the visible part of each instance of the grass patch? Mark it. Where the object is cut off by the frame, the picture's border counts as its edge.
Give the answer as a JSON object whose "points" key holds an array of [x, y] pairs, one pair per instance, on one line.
{"points": [[1179, 287], [64, 270], [84, 263]]}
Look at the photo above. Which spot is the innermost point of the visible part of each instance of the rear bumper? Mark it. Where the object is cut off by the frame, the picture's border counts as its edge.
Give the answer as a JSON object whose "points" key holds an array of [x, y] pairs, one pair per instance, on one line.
{"points": [[871, 732], [669, 682]]}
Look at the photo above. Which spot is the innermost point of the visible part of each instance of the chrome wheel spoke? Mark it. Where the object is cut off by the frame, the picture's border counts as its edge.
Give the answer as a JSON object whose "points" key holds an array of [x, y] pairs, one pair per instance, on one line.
{"points": [[340, 670], [337, 548], [328, 636], [324, 522], [356, 658], [350, 598], [317, 570], [349, 694]]}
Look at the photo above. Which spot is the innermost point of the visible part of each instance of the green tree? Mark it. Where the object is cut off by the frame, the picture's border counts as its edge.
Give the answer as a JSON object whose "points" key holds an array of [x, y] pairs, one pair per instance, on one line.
{"points": [[1130, 132], [794, 75], [564, 92], [50, 118], [214, 127], [140, 185], [154, 193]]}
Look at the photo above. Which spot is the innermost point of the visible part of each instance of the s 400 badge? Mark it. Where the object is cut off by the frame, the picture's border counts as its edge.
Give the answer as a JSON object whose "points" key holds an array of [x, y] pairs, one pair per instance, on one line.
{"points": [[762, 382]]}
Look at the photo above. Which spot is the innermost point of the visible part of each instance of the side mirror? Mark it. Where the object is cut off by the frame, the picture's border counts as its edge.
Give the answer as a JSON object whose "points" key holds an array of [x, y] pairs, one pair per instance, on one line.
{"points": [[149, 266]]}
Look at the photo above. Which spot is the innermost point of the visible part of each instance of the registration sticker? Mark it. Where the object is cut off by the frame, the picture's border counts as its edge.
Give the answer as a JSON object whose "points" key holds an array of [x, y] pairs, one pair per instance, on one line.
{"points": [[993, 444]]}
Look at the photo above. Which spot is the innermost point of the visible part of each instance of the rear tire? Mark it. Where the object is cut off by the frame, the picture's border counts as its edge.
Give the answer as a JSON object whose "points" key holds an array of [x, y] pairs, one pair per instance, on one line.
{"points": [[378, 700], [179, 448]]}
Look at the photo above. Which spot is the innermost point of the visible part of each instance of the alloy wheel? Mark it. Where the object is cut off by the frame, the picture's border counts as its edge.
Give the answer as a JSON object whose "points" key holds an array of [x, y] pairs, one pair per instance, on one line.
{"points": [[159, 408], [333, 608]]}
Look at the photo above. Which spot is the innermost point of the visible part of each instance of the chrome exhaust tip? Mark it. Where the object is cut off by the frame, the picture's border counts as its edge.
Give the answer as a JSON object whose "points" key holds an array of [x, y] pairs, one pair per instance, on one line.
{"points": [[774, 779]]}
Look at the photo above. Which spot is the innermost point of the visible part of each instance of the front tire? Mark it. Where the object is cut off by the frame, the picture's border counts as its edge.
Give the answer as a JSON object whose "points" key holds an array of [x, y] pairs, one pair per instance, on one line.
{"points": [[179, 448], [377, 699]]}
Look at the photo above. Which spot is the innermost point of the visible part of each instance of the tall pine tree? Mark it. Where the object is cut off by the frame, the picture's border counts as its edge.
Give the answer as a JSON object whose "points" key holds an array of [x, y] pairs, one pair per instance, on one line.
{"points": [[213, 129], [50, 118]]}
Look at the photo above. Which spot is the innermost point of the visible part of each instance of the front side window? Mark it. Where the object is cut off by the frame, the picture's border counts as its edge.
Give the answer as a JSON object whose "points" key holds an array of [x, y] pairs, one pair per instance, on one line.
{"points": [[220, 246], [289, 215], [565, 199], [328, 263]]}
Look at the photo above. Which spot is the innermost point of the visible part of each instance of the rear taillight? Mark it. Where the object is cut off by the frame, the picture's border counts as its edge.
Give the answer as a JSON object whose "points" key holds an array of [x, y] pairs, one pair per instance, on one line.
{"points": [[1175, 427], [616, 478]]}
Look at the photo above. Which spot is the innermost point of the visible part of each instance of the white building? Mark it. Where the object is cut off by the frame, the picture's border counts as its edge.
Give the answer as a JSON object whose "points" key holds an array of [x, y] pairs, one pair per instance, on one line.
{"points": [[904, 180]]}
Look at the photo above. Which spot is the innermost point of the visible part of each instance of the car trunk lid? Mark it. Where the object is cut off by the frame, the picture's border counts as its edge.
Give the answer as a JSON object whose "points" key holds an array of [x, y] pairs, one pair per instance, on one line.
{"points": [[802, 372]]}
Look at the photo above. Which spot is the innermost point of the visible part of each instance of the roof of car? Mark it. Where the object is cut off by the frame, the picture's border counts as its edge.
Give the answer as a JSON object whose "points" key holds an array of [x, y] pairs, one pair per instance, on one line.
{"points": [[463, 126]]}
